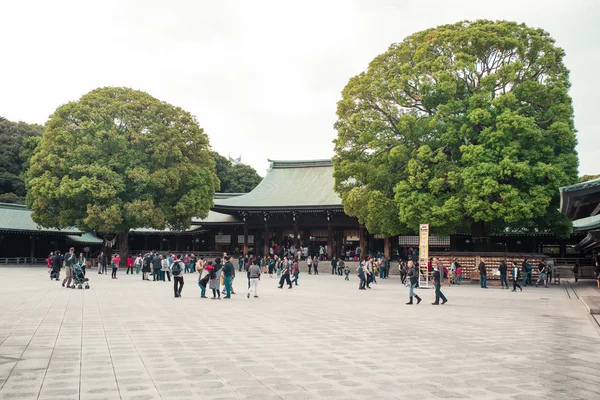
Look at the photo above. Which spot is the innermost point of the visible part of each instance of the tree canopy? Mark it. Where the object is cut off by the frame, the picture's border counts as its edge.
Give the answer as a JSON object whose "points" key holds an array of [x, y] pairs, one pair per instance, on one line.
{"points": [[586, 178], [12, 137], [119, 159], [465, 127], [239, 178]]}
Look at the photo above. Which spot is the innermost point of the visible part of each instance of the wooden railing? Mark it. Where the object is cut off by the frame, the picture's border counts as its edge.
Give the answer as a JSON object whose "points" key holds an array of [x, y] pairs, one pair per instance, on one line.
{"points": [[22, 260]]}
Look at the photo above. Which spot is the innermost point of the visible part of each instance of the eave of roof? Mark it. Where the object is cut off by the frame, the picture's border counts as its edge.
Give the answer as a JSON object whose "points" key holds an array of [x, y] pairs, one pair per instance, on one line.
{"points": [[568, 195], [587, 223], [16, 218]]}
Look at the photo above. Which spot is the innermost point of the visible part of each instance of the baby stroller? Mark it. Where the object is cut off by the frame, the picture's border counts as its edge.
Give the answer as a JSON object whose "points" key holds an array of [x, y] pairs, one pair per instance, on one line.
{"points": [[79, 279]]}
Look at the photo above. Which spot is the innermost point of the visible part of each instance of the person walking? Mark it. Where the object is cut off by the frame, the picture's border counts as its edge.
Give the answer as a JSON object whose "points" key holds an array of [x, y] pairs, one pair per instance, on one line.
{"points": [[503, 270], [459, 276], [340, 267], [204, 273], [285, 274], [438, 279], [362, 276], [102, 263], [70, 261], [114, 263], [129, 265], [542, 273], [347, 273], [147, 266], [215, 278], [295, 272], [156, 267], [177, 270], [482, 275], [254, 277], [515, 273], [186, 262], [228, 271], [309, 264], [413, 276], [316, 265], [165, 270], [576, 271], [56, 265], [138, 263], [333, 265]]}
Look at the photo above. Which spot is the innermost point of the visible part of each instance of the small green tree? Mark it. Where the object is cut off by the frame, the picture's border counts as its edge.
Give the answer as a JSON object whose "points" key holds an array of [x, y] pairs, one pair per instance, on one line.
{"points": [[240, 178], [243, 178], [586, 178], [119, 159], [463, 126]]}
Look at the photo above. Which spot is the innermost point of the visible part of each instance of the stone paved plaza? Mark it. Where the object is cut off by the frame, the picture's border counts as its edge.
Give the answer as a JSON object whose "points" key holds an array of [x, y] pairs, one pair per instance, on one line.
{"points": [[130, 339]]}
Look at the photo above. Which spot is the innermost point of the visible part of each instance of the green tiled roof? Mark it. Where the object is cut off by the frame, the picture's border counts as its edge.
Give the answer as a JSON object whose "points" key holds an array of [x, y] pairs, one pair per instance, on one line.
{"points": [[289, 185], [16, 218], [587, 223]]}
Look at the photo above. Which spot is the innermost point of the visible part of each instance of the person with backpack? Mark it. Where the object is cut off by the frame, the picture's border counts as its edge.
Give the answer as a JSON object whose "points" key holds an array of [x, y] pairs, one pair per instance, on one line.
{"points": [[56, 265], [515, 272], [295, 272], [413, 276], [147, 266], [176, 270]]}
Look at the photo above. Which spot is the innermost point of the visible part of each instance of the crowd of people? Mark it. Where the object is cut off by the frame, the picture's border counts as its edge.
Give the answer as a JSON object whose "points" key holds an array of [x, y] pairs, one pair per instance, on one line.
{"points": [[218, 276]]}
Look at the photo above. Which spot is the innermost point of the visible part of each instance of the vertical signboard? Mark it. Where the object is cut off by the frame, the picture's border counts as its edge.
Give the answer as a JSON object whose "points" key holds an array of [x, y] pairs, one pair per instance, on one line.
{"points": [[424, 251]]}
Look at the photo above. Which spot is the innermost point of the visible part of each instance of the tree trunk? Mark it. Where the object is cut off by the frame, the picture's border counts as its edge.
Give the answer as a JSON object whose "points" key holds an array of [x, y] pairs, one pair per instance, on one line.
{"points": [[480, 232], [123, 240]]}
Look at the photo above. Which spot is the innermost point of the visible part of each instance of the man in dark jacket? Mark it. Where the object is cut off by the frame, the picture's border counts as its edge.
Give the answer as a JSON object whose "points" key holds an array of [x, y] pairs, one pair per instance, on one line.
{"points": [[333, 266], [228, 271], [482, 275], [438, 278], [156, 267], [56, 264]]}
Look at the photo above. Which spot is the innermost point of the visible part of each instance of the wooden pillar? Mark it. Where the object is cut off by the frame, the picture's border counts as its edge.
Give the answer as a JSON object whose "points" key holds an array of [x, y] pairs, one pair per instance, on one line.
{"points": [[295, 218], [245, 236], [266, 248], [361, 241], [386, 247]]}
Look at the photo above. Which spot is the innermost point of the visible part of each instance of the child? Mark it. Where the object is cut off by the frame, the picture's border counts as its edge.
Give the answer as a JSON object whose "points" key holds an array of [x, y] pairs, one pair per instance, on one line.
{"points": [[347, 272]]}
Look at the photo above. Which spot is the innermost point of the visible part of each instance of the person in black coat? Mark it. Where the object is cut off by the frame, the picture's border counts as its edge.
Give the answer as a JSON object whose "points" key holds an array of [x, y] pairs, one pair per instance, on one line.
{"points": [[56, 264]]}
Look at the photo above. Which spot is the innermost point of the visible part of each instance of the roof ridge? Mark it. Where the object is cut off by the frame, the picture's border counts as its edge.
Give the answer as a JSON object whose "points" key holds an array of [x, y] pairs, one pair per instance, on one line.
{"points": [[13, 206], [325, 162]]}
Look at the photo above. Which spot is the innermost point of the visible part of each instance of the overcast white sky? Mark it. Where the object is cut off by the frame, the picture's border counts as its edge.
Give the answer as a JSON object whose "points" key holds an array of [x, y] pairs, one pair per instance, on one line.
{"points": [[262, 77]]}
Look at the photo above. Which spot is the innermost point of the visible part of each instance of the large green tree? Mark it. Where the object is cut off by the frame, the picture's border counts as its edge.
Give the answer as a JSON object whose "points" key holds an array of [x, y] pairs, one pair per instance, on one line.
{"points": [[13, 135], [239, 178], [119, 159], [466, 127]]}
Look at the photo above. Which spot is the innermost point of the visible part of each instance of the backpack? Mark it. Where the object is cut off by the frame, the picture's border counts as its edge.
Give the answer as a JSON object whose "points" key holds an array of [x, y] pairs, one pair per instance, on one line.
{"points": [[176, 269]]}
